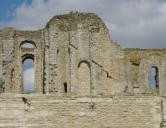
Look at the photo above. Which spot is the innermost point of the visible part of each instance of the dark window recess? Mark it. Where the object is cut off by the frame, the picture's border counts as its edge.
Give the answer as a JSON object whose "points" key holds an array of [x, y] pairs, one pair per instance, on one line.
{"points": [[65, 87], [69, 50], [57, 51]]}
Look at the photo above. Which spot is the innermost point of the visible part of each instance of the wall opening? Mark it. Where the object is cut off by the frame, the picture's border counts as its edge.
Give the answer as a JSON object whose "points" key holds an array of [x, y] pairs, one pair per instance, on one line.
{"points": [[27, 45], [28, 75], [65, 87], [12, 75], [154, 77], [57, 51], [84, 86]]}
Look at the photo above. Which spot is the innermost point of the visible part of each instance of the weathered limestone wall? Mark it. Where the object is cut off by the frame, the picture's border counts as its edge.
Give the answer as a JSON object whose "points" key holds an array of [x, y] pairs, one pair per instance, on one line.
{"points": [[138, 68], [70, 41], [79, 38], [13, 55], [67, 42], [50, 111], [7, 50], [89, 80], [36, 38]]}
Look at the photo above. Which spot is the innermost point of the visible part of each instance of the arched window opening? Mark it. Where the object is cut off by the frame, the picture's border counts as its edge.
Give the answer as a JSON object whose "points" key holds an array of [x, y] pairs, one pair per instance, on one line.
{"points": [[65, 87], [154, 78], [84, 86], [12, 75], [28, 75], [27, 45]]}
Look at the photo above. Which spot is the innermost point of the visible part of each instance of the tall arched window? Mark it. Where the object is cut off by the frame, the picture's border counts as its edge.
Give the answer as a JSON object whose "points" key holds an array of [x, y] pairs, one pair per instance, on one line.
{"points": [[154, 77], [84, 79], [28, 63], [28, 75]]}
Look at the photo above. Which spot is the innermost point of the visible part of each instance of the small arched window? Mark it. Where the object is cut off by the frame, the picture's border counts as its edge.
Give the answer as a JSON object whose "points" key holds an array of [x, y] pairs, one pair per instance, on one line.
{"points": [[27, 45], [84, 78], [65, 87], [154, 77]]}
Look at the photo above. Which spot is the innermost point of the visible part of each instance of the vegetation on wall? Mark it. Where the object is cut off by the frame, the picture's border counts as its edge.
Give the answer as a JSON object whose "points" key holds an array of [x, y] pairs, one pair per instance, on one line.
{"points": [[25, 100]]}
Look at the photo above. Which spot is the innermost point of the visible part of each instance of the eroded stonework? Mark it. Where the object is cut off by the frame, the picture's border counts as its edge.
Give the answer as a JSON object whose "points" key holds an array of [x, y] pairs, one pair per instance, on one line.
{"points": [[75, 57], [74, 49]]}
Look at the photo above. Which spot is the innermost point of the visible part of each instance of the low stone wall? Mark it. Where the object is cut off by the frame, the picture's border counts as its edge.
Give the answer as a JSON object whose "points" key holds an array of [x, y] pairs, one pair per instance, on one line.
{"points": [[49, 111]]}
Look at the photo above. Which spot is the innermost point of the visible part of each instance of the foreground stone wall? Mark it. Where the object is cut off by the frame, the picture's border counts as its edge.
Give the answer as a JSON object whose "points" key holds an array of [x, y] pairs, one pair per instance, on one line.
{"points": [[50, 111]]}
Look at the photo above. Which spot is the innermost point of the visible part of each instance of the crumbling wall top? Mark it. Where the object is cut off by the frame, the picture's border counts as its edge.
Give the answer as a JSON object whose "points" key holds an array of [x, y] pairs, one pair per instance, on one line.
{"points": [[71, 21], [145, 50]]}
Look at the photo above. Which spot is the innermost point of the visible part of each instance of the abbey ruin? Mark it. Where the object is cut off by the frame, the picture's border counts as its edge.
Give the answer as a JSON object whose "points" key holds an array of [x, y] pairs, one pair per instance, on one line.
{"points": [[83, 79]]}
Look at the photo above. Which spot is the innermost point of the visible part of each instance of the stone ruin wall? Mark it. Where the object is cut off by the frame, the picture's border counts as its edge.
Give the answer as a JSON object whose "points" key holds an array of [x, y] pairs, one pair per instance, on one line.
{"points": [[107, 86], [12, 56], [61, 48], [138, 68], [85, 42]]}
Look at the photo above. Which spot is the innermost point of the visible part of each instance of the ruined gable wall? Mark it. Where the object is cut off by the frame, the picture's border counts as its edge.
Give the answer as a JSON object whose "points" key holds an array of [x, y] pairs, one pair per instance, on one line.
{"points": [[77, 38], [67, 42]]}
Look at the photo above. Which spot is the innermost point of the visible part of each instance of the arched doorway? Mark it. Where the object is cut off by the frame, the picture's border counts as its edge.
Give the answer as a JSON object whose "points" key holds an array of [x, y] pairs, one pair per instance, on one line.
{"points": [[84, 85]]}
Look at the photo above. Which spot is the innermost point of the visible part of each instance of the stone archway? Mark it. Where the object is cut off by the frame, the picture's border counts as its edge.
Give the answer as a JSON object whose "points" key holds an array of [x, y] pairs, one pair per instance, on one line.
{"points": [[84, 84], [28, 70], [27, 51]]}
